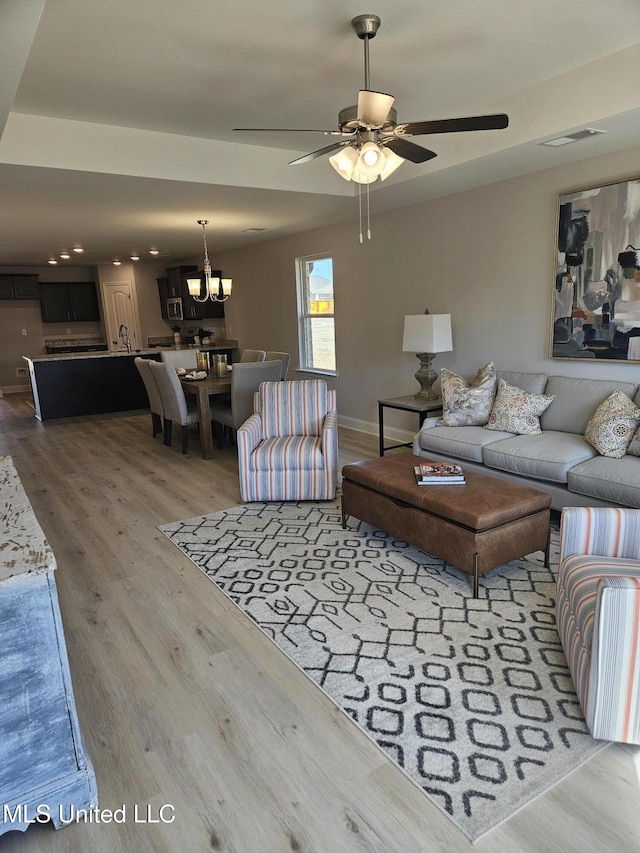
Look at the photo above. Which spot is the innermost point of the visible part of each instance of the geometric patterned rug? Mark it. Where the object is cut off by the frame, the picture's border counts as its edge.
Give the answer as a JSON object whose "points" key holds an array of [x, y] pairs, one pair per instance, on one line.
{"points": [[472, 698]]}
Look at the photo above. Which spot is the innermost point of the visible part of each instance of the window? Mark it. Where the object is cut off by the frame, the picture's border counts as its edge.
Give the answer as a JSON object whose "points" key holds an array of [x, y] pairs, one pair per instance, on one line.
{"points": [[316, 333]]}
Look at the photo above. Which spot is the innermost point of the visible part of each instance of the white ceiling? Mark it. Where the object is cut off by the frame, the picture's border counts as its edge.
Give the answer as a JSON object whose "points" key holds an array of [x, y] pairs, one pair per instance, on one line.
{"points": [[117, 117]]}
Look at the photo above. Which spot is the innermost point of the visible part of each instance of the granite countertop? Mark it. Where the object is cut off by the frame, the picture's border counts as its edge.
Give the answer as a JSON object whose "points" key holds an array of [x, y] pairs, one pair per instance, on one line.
{"points": [[23, 547], [68, 356], [60, 356]]}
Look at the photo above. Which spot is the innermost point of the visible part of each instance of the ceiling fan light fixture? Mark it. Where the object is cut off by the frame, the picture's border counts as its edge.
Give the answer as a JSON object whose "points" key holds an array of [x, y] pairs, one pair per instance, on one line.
{"points": [[370, 163], [392, 162], [344, 162], [373, 108]]}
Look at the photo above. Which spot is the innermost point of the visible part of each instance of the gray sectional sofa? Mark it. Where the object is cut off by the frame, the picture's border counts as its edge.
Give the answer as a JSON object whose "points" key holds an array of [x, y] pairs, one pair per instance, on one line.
{"points": [[558, 461]]}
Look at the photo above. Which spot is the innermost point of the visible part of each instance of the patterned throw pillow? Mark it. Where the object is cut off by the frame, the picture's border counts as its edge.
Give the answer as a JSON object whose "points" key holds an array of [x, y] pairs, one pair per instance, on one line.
{"points": [[611, 428], [515, 410], [464, 404]]}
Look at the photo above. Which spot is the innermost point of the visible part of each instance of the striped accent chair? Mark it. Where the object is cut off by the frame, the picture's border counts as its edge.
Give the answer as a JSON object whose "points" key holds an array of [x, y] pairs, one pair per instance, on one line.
{"points": [[598, 615], [288, 449]]}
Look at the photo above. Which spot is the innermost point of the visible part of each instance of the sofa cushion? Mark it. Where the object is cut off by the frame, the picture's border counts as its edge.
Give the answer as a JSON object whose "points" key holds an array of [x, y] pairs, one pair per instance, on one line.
{"points": [[458, 442], [576, 401], [613, 425], [547, 456], [534, 383], [615, 480], [465, 404], [516, 410]]}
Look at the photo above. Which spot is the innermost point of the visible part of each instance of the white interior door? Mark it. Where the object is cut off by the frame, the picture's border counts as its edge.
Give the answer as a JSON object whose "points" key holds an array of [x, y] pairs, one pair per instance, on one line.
{"points": [[121, 309]]}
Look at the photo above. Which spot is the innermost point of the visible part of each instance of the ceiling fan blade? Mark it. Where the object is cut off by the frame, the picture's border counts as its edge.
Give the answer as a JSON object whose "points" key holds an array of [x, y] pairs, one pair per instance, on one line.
{"points": [[309, 157], [408, 150], [373, 107], [453, 125], [288, 130]]}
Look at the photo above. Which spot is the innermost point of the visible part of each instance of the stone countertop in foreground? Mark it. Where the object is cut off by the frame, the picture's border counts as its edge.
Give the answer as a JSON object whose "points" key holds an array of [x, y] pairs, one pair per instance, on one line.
{"points": [[68, 356]]}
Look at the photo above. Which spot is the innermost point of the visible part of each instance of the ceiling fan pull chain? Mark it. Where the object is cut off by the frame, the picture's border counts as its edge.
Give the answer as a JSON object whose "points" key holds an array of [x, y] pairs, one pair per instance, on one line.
{"points": [[368, 215], [360, 208]]}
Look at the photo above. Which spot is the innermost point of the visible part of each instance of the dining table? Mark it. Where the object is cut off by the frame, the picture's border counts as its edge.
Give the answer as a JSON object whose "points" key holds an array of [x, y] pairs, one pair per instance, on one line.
{"points": [[203, 389]]}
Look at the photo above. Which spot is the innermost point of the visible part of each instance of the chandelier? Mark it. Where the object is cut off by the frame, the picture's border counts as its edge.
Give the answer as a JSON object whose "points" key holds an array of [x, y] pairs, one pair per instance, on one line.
{"points": [[216, 289]]}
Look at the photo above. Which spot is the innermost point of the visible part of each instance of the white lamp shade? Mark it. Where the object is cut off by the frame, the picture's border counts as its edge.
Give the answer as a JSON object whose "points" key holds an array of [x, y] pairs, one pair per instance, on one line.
{"points": [[373, 107], [427, 333], [227, 284], [344, 161], [370, 162], [392, 163], [194, 285]]}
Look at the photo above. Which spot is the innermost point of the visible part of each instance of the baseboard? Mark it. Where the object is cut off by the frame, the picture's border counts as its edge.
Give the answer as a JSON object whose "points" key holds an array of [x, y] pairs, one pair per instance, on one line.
{"points": [[391, 433], [13, 389]]}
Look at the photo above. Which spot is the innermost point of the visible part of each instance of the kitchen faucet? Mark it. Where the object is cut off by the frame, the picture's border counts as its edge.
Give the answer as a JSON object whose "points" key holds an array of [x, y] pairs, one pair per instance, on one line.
{"points": [[124, 334]]}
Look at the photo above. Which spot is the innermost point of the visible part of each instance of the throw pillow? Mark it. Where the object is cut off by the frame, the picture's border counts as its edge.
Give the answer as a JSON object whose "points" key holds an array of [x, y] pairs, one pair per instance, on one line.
{"points": [[464, 404], [515, 410], [634, 447], [613, 424]]}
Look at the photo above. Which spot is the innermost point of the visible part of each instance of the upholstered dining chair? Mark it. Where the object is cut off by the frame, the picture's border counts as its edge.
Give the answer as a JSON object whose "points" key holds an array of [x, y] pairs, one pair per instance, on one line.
{"points": [[252, 355], [245, 381], [283, 357], [153, 393], [178, 409], [288, 449]]}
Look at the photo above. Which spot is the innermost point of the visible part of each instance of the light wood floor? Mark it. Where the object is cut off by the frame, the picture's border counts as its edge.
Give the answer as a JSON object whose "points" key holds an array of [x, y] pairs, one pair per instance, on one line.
{"points": [[183, 701]]}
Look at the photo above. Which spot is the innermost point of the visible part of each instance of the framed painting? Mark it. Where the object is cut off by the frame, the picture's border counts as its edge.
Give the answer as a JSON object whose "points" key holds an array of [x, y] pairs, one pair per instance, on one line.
{"points": [[596, 293]]}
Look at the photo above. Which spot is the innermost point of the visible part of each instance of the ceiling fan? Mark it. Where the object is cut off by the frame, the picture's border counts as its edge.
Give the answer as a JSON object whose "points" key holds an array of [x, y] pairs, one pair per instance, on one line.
{"points": [[372, 144]]}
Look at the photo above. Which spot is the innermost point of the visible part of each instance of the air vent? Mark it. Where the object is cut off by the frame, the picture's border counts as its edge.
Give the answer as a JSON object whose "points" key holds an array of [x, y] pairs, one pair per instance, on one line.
{"points": [[572, 137]]}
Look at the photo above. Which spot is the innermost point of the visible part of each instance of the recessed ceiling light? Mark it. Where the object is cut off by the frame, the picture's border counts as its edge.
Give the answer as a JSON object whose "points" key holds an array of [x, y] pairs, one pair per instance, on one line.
{"points": [[154, 252], [78, 250], [572, 137], [65, 255], [117, 263], [135, 257], [52, 261]]}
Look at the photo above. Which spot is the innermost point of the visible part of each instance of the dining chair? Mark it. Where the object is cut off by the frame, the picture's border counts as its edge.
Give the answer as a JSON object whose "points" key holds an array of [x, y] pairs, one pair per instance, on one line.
{"points": [[272, 355], [153, 393], [253, 355], [245, 381], [177, 408]]}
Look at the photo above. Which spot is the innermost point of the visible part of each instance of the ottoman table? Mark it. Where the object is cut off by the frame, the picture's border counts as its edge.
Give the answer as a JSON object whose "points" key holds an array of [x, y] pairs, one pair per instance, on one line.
{"points": [[476, 527]]}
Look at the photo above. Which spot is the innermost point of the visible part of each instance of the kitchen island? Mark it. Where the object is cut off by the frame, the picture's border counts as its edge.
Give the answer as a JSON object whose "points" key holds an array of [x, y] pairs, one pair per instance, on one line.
{"points": [[87, 383]]}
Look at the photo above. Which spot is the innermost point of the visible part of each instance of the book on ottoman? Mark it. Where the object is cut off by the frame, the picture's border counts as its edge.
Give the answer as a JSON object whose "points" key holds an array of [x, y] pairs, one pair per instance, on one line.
{"points": [[440, 473]]}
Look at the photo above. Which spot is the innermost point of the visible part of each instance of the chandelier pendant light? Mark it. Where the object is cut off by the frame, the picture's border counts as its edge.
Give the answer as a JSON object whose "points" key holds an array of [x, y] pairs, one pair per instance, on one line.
{"points": [[216, 289]]}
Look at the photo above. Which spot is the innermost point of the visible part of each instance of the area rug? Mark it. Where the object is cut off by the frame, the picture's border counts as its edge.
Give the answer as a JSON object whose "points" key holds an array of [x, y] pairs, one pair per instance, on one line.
{"points": [[472, 698]]}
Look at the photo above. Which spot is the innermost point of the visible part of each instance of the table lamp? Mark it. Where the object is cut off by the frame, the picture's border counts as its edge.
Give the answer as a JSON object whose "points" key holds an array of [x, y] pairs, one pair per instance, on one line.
{"points": [[426, 335]]}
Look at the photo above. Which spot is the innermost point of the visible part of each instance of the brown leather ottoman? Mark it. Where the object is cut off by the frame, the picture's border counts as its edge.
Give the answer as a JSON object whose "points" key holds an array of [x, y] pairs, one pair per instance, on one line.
{"points": [[476, 526]]}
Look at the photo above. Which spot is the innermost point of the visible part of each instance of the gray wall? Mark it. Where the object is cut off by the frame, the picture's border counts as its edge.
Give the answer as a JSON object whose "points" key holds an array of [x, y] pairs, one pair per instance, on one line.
{"points": [[487, 256]]}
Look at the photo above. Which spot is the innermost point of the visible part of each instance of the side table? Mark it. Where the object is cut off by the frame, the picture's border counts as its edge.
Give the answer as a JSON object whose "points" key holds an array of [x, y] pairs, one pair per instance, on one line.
{"points": [[411, 403]]}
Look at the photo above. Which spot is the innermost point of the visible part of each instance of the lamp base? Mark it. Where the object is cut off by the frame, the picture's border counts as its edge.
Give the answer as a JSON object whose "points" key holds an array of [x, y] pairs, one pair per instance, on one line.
{"points": [[426, 376]]}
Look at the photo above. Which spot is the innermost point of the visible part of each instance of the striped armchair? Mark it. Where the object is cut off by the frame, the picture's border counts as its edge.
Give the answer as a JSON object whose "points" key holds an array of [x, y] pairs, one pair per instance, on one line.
{"points": [[598, 614], [288, 449]]}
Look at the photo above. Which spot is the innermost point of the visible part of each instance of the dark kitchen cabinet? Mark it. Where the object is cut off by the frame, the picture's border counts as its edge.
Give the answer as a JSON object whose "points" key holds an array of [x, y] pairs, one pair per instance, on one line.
{"points": [[69, 302], [163, 293], [19, 287]]}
